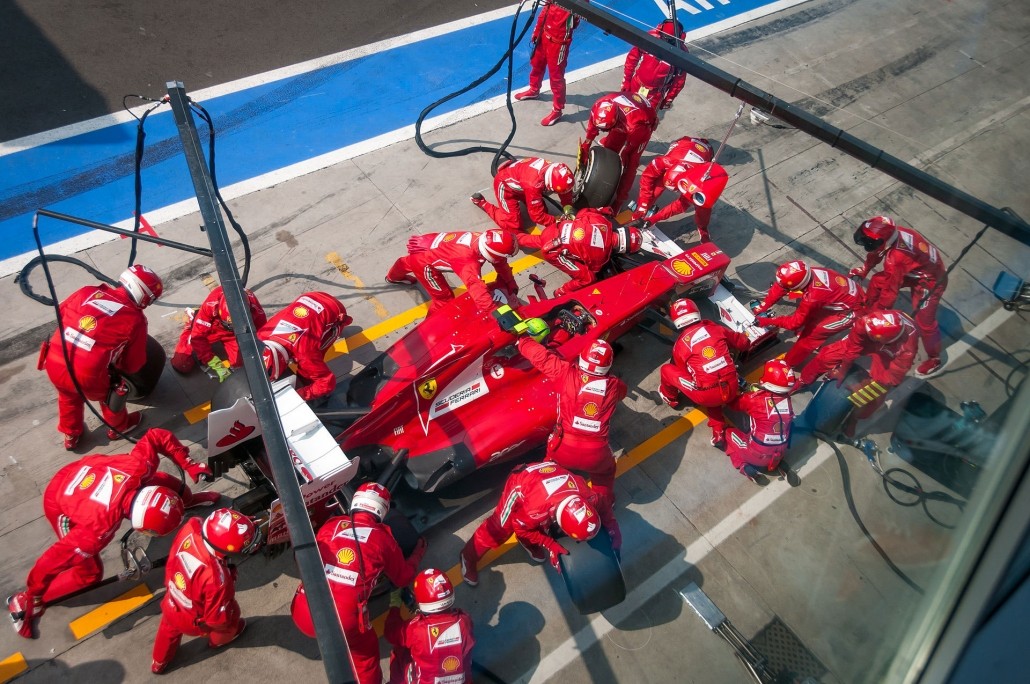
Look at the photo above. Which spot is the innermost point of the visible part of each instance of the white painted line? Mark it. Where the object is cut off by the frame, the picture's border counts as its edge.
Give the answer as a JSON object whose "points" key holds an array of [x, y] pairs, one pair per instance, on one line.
{"points": [[573, 648]]}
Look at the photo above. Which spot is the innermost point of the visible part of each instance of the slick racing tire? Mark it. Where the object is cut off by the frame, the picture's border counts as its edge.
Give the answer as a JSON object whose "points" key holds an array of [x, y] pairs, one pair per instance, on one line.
{"points": [[592, 574], [597, 178], [830, 406], [144, 381]]}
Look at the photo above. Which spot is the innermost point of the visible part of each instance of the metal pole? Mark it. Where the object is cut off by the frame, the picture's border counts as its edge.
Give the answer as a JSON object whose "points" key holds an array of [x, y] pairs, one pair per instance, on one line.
{"points": [[329, 633], [737, 88], [125, 233]]}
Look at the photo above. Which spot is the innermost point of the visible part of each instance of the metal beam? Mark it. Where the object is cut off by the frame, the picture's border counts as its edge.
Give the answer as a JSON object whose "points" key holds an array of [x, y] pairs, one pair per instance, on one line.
{"points": [[329, 633], [1000, 219]]}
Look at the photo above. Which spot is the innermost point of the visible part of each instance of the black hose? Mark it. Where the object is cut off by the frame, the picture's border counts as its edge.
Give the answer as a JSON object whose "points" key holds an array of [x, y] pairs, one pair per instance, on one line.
{"points": [[499, 152]]}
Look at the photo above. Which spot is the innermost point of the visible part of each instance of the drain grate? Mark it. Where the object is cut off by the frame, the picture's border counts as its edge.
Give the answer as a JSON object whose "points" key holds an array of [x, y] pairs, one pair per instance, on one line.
{"points": [[786, 655]]}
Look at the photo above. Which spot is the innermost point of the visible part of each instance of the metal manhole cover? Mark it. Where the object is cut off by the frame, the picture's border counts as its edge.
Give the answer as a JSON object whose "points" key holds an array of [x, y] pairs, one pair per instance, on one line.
{"points": [[786, 655]]}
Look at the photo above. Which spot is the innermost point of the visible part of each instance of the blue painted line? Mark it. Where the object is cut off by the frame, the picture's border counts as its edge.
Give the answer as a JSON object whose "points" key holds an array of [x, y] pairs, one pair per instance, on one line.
{"points": [[272, 126]]}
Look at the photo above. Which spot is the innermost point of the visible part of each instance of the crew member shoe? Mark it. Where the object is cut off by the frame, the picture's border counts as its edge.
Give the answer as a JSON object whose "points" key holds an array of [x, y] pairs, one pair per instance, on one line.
{"points": [[135, 418], [538, 557], [527, 94], [158, 668], [469, 572], [929, 368], [478, 199], [719, 441], [752, 473], [404, 280], [71, 441], [239, 631], [551, 118], [671, 403]]}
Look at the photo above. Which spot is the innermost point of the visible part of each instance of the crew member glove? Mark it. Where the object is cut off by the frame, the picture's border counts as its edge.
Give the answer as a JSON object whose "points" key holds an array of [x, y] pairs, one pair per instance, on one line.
{"points": [[665, 105], [763, 321], [419, 551], [395, 599], [859, 272], [641, 212], [198, 470], [555, 555], [568, 212], [220, 370]]}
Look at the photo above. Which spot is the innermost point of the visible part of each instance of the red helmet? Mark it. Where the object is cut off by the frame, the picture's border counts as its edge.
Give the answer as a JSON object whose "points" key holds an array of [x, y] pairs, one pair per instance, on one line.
{"points": [[882, 326], [793, 275], [668, 28], [684, 312], [876, 232], [778, 377], [558, 178], [335, 314], [604, 114], [223, 308], [143, 285], [597, 358], [628, 239], [373, 498], [433, 591], [577, 518], [156, 511], [228, 532], [497, 245]]}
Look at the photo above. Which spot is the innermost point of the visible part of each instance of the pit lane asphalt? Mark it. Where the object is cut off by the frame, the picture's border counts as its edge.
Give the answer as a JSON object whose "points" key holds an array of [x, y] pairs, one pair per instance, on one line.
{"points": [[800, 558]]}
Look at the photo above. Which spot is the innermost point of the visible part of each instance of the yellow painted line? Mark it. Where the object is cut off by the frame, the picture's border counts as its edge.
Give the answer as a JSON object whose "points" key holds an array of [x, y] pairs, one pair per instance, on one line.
{"points": [[104, 615], [12, 666], [341, 266], [197, 413]]}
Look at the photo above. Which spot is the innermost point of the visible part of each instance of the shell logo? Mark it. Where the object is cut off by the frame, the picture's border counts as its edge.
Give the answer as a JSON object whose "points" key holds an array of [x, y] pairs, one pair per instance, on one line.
{"points": [[578, 234], [300, 312], [682, 267], [450, 664], [87, 323], [180, 581], [840, 280], [590, 409], [709, 353], [345, 556], [547, 469], [923, 247], [88, 481], [450, 236]]}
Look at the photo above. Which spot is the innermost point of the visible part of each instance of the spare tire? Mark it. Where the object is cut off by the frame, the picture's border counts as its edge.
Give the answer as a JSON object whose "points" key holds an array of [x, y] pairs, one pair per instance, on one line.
{"points": [[592, 574], [144, 381], [597, 179]]}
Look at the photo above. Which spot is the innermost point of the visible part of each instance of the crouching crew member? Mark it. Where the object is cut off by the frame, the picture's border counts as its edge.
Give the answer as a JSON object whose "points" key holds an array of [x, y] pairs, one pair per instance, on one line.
{"points": [[210, 325], [770, 414], [537, 497], [356, 550], [702, 367], [200, 584], [435, 645]]}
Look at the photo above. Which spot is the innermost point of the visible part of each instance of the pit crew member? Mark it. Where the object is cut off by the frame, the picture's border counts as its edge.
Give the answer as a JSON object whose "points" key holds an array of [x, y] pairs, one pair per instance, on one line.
{"points": [[464, 255], [209, 325], [581, 246], [535, 498], [200, 584], [702, 366], [356, 550], [86, 502], [889, 339], [828, 306], [301, 333], [550, 44], [435, 644], [770, 414], [912, 261], [105, 332], [526, 181], [669, 172], [628, 121], [646, 75]]}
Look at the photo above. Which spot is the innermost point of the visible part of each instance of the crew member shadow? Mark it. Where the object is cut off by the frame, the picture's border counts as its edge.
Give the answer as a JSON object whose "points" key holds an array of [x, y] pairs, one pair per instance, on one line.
{"points": [[56, 670]]}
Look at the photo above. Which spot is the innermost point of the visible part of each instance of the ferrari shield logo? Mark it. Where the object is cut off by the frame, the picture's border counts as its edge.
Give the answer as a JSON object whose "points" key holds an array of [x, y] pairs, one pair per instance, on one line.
{"points": [[434, 631], [427, 389]]}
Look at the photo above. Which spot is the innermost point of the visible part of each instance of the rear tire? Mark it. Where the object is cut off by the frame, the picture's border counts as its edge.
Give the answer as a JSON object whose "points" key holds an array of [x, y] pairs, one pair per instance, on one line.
{"points": [[144, 381], [598, 178]]}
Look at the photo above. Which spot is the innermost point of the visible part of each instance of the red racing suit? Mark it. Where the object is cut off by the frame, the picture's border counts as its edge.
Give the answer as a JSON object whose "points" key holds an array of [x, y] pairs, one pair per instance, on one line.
{"points": [[636, 121], [355, 555], [200, 596], [661, 175], [431, 254], [551, 39], [579, 248], [86, 502], [301, 333], [704, 371], [207, 328], [913, 262], [521, 181], [528, 506], [586, 404], [890, 361], [646, 75], [766, 442], [827, 307], [430, 648], [106, 335]]}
